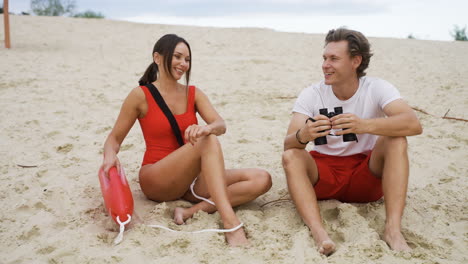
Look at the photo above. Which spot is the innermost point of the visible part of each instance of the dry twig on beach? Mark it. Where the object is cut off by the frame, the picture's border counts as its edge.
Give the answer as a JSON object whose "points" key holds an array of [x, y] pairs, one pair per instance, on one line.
{"points": [[443, 117]]}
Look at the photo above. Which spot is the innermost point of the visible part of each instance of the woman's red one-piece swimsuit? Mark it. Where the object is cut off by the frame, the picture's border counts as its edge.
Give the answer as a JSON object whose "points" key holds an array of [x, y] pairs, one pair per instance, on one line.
{"points": [[157, 131]]}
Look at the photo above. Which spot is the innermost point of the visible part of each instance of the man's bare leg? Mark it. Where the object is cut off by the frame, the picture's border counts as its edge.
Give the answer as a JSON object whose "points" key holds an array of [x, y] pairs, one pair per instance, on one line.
{"points": [[389, 160], [301, 174]]}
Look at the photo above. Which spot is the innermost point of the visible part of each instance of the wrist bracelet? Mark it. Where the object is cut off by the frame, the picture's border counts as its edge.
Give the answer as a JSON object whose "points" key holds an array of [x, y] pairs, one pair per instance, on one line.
{"points": [[298, 139]]}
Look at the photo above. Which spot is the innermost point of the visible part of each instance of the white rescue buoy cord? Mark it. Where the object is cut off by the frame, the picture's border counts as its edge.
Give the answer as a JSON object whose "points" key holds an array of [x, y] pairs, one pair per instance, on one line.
{"points": [[199, 197], [119, 237], [200, 231]]}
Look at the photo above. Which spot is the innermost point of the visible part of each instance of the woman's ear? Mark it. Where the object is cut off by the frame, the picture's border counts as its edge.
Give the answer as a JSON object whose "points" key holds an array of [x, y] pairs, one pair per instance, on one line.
{"points": [[157, 58]]}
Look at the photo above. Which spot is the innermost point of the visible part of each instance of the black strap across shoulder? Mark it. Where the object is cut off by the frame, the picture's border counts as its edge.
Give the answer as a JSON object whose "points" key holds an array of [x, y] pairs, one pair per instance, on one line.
{"points": [[167, 112]]}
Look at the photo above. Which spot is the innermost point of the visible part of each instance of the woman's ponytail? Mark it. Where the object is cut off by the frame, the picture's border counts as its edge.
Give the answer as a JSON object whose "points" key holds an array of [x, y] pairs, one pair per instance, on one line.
{"points": [[150, 75]]}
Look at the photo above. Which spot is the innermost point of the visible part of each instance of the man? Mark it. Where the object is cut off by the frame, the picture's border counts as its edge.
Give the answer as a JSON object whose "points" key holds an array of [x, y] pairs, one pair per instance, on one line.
{"points": [[361, 169]]}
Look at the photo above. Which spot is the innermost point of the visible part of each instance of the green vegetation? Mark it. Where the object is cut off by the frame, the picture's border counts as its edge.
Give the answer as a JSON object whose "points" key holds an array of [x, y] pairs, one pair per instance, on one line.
{"points": [[459, 33], [410, 36], [52, 7], [60, 8], [1, 9], [89, 14]]}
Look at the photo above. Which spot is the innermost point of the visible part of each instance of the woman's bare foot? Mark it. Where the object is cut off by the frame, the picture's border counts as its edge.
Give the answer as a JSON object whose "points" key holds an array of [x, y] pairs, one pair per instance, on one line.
{"points": [[236, 238], [179, 216], [395, 240]]}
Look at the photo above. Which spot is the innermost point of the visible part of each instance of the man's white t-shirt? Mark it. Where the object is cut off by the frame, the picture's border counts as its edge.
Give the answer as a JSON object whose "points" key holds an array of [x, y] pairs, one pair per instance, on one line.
{"points": [[368, 102]]}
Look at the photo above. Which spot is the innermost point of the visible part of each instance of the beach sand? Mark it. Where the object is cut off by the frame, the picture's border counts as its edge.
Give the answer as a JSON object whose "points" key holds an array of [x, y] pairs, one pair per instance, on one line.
{"points": [[61, 88]]}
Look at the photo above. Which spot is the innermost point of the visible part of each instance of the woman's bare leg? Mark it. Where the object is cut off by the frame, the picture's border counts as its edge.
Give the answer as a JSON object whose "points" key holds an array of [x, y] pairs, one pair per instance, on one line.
{"points": [[244, 185], [171, 177]]}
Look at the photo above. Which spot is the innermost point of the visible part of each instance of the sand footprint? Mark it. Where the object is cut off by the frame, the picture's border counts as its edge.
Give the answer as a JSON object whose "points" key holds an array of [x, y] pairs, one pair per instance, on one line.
{"points": [[46, 250], [64, 148], [374, 213], [28, 235], [415, 240], [266, 117]]}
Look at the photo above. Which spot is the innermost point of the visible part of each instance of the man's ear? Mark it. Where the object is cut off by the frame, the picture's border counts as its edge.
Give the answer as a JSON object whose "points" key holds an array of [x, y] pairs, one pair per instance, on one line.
{"points": [[356, 61]]}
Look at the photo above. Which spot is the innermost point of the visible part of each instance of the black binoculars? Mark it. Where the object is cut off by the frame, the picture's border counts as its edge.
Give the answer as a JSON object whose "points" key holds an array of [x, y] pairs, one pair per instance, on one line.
{"points": [[346, 137]]}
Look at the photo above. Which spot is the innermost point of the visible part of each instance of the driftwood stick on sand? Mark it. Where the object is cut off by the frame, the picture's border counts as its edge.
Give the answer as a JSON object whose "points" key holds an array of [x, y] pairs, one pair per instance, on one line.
{"points": [[443, 117]]}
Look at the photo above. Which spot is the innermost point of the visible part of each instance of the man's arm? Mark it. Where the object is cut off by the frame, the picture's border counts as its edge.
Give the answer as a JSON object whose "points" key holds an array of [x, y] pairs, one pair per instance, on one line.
{"points": [[400, 121], [299, 130]]}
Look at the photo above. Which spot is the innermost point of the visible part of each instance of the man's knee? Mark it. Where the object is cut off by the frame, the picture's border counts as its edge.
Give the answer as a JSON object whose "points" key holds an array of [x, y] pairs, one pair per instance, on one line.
{"points": [[290, 156], [385, 147], [396, 143]]}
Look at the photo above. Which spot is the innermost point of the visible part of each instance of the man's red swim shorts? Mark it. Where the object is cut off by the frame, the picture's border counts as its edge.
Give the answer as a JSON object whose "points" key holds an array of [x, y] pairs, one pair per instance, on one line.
{"points": [[346, 178]]}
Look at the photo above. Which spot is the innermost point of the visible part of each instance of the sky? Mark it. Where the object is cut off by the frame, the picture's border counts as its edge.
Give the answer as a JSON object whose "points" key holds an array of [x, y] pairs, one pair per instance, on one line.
{"points": [[423, 19]]}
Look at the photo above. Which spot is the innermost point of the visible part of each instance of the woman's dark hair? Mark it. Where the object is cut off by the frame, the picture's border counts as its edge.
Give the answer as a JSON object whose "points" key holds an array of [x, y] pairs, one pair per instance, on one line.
{"points": [[165, 47], [358, 45]]}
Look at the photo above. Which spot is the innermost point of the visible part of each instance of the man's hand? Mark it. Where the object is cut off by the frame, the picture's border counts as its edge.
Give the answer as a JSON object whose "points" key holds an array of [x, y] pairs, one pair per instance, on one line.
{"points": [[350, 122], [312, 130]]}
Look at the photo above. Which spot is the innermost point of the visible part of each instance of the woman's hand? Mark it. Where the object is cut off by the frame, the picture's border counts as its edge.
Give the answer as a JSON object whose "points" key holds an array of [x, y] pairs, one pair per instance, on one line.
{"points": [[193, 132], [109, 162]]}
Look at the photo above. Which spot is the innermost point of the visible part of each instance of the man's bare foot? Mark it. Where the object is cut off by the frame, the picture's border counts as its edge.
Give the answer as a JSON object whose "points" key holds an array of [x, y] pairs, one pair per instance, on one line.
{"points": [[327, 247], [395, 240], [236, 238], [179, 215], [324, 244]]}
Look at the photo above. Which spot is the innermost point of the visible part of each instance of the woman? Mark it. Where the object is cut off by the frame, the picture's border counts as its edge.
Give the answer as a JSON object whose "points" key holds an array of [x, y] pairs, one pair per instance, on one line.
{"points": [[168, 170]]}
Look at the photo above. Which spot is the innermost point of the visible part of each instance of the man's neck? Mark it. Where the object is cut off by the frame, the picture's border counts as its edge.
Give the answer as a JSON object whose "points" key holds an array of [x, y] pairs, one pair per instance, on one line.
{"points": [[344, 91]]}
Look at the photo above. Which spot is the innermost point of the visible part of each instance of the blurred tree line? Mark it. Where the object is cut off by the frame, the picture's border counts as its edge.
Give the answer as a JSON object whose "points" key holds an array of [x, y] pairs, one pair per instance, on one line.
{"points": [[60, 8], [459, 33]]}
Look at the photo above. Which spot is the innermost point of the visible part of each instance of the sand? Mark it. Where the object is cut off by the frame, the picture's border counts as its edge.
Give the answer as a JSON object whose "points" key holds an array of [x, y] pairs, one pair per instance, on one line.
{"points": [[61, 87]]}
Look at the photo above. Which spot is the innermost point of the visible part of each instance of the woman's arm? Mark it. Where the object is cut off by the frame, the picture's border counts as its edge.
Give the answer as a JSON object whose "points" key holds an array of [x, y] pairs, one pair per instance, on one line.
{"points": [[214, 122], [129, 112]]}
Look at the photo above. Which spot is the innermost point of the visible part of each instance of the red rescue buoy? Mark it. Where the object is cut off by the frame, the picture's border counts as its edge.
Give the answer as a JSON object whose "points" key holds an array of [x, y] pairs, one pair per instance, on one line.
{"points": [[117, 195]]}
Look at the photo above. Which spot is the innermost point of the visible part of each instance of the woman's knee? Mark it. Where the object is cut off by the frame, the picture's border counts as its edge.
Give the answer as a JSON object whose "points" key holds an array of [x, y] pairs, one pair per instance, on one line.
{"points": [[261, 181], [208, 143], [210, 139]]}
